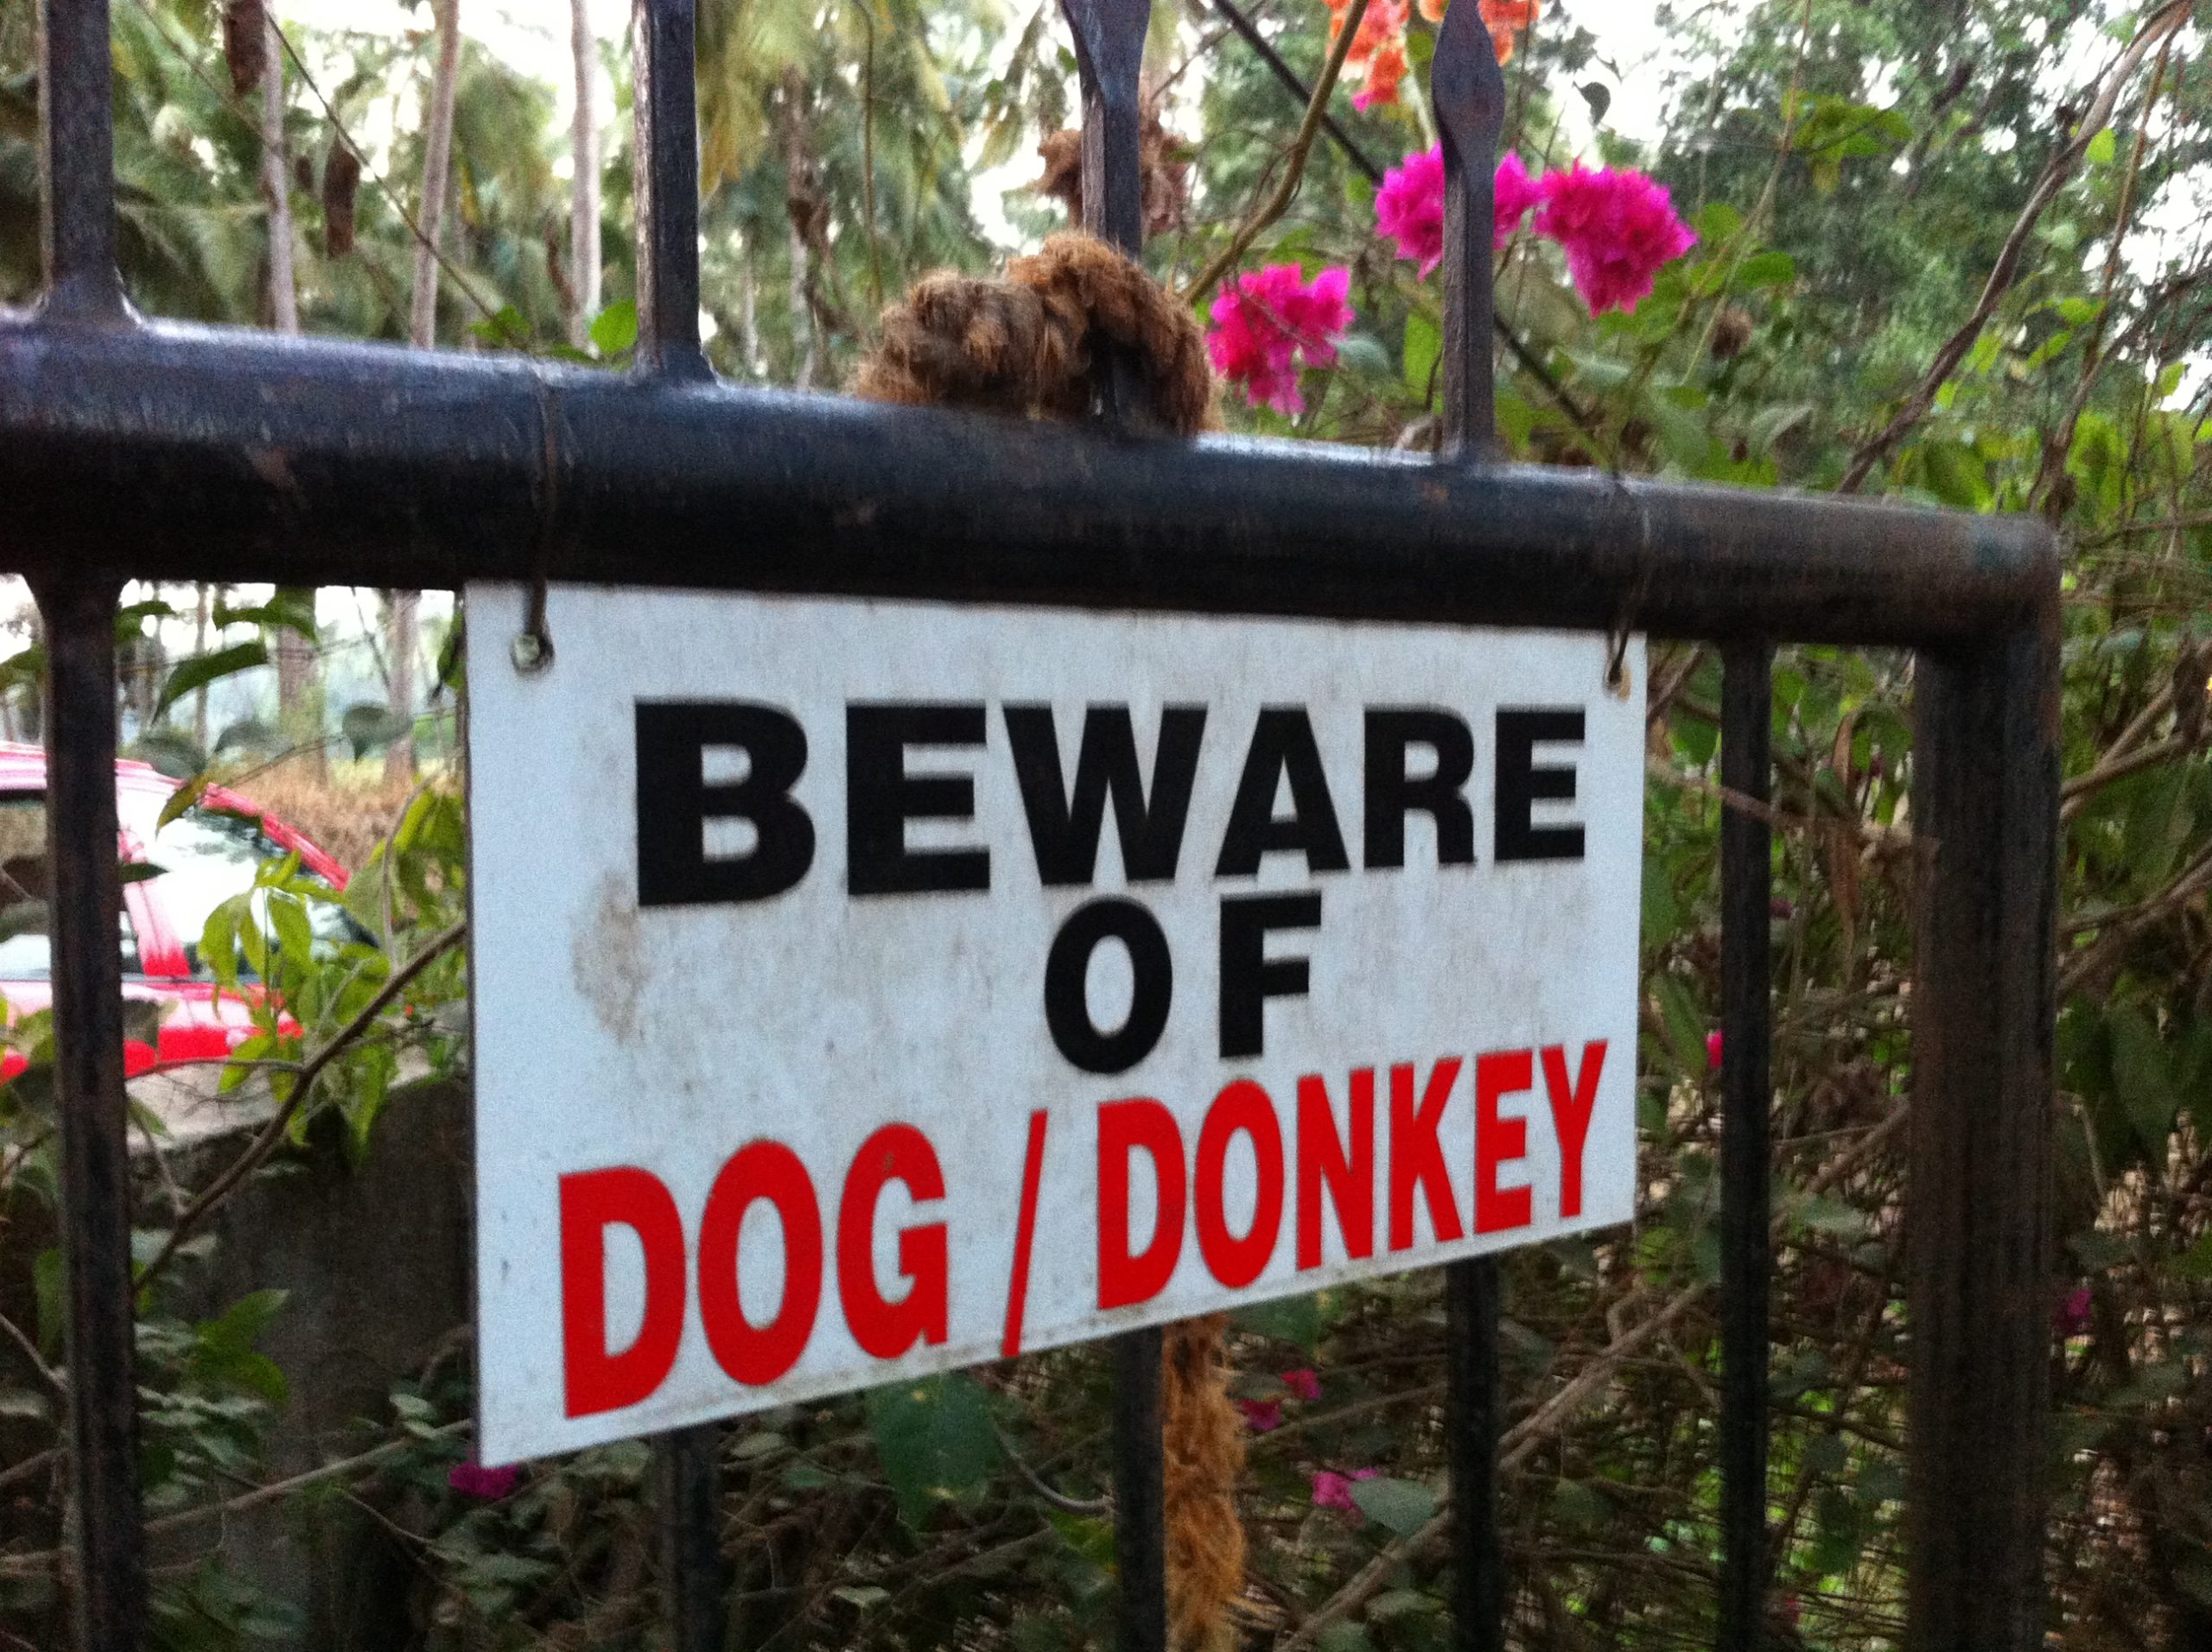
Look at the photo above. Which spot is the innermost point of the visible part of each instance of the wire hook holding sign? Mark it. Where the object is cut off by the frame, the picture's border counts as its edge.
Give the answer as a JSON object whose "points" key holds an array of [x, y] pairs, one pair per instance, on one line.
{"points": [[531, 651]]}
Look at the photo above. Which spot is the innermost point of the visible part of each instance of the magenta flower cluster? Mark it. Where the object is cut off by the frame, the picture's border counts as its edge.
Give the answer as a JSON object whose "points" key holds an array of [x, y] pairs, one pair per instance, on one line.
{"points": [[1616, 226], [1266, 323], [1265, 1416]]}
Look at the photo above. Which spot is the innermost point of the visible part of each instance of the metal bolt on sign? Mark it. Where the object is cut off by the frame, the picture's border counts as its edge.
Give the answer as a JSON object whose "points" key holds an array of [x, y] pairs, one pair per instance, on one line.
{"points": [[140, 449]]}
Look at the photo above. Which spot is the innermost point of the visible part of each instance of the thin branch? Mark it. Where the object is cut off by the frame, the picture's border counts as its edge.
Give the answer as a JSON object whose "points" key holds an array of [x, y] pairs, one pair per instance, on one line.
{"points": [[55, 1383], [2055, 174], [1279, 199], [272, 1133], [42, 1561], [1521, 1441]]}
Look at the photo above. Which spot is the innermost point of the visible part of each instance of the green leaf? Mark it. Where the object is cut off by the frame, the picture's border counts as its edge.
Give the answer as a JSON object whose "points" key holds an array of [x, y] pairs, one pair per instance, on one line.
{"points": [[1719, 222], [1768, 269], [935, 1441], [291, 608], [181, 799], [1599, 97], [614, 329], [2103, 148], [2142, 1076], [202, 668], [508, 330], [1424, 343], [1404, 1506]]}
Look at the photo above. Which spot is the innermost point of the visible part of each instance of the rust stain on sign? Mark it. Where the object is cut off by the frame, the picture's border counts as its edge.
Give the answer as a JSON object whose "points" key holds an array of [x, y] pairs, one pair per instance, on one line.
{"points": [[607, 960]]}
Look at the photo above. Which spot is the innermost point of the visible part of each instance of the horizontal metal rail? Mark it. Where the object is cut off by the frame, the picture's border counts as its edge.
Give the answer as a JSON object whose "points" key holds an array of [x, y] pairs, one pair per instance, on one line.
{"points": [[192, 453]]}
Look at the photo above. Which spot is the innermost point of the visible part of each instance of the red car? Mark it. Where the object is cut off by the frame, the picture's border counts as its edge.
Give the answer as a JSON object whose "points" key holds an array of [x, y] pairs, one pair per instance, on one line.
{"points": [[208, 854]]}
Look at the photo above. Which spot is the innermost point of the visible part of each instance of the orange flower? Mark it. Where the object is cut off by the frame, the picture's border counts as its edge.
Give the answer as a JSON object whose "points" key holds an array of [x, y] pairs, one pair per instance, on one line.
{"points": [[1505, 18], [1384, 71]]}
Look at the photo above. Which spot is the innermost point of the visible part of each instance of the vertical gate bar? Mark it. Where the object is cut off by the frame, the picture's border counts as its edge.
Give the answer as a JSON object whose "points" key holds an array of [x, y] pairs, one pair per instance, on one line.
{"points": [[1471, 1290], [665, 104], [1746, 896], [691, 1489], [1978, 1266], [85, 893], [1140, 1492], [1468, 93], [1110, 53], [1109, 56], [77, 162]]}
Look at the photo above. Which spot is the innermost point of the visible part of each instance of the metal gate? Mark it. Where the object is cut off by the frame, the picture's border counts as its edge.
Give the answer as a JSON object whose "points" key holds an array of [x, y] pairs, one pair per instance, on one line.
{"points": [[130, 449]]}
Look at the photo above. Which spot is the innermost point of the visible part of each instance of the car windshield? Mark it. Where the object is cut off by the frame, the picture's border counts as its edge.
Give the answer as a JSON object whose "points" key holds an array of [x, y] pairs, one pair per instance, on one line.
{"points": [[207, 856]]}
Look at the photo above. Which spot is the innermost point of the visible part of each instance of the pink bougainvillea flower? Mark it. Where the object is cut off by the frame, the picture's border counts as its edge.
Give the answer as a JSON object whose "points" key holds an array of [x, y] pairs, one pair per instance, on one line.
{"points": [[1516, 192], [1618, 227], [1712, 1050], [1261, 1416], [1303, 1384], [1266, 323], [1333, 1490], [2071, 1318], [13, 1064], [1409, 207], [473, 1479]]}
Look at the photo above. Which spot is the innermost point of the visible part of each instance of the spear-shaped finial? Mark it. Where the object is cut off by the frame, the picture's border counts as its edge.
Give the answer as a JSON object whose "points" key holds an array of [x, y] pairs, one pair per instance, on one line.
{"points": [[1468, 89]]}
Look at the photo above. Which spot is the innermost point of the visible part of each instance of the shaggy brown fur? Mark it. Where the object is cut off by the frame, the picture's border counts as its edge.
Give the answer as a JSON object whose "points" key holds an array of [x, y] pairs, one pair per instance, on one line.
{"points": [[1027, 343], [1202, 1440], [1167, 187]]}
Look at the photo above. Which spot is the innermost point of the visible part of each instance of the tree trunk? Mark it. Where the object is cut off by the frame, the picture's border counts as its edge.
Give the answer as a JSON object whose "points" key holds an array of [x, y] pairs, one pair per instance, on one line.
{"points": [[583, 197], [437, 170], [277, 183], [748, 294], [402, 632], [422, 331], [200, 699], [295, 660]]}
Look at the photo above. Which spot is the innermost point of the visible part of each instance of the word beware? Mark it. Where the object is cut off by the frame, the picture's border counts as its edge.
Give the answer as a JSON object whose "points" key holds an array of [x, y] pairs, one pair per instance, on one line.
{"points": [[676, 805]]}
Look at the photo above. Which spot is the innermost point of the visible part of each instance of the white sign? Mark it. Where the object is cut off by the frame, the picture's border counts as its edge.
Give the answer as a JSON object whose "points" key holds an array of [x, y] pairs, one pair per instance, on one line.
{"points": [[869, 988]]}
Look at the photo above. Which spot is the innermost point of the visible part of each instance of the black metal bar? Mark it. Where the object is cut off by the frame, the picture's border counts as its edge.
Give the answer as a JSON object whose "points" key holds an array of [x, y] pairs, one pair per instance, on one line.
{"points": [[77, 162], [313, 462], [1140, 1492], [1473, 1421], [690, 1466], [1746, 899], [1249, 32], [1469, 93], [665, 104], [1110, 53], [86, 901], [1978, 1274], [1110, 57], [1470, 100]]}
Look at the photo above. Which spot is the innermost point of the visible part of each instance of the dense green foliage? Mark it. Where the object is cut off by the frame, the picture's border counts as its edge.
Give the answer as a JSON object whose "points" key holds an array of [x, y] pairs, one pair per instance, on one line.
{"points": [[1857, 170]]}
